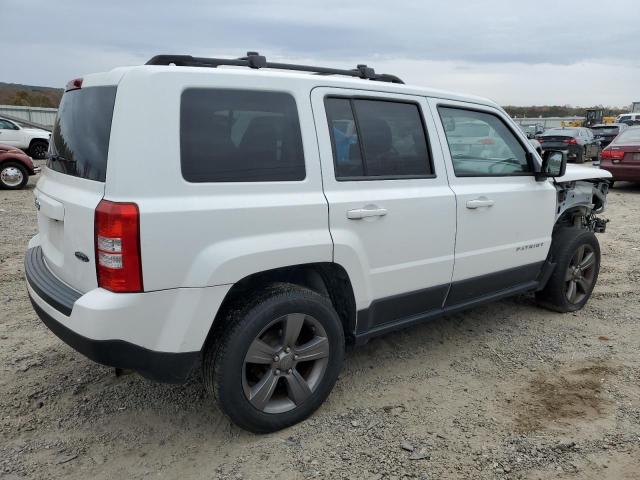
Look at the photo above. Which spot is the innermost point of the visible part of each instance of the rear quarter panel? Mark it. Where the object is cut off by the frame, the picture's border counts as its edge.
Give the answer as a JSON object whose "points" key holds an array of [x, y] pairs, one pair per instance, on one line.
{"points": [[204, 234]]}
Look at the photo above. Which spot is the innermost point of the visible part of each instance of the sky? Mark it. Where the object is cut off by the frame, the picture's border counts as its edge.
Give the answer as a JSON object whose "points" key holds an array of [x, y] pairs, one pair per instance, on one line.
{"points": [[516, 52]]}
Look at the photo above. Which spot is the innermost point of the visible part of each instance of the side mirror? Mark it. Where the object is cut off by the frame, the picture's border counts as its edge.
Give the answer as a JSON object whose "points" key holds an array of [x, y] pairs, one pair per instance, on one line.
{"points": [[554, 164]]}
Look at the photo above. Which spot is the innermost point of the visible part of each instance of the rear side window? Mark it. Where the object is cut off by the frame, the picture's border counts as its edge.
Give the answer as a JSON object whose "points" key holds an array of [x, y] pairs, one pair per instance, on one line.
{"points": [[240, 136], [80, 139], [377, 139]]}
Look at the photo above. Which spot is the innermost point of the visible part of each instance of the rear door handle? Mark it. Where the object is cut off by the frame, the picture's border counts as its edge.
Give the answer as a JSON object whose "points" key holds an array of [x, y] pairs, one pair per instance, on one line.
{"points": [[366, 212], [480, 202]]}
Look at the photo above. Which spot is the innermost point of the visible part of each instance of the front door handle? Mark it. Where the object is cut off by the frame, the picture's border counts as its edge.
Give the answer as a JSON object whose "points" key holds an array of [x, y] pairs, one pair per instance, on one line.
{"points": [[366, 212], [480, 202]]}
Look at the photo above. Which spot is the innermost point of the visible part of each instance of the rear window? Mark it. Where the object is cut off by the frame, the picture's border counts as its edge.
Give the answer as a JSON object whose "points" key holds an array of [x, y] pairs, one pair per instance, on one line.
{"points": [[605, 130], [80, 139], [240, 136], [630, 136], [567, 132]]}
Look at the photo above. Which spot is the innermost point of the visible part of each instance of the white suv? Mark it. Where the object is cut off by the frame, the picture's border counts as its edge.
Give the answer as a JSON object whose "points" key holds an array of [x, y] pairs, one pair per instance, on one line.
{"points": [[34, 141], [260, 219]]}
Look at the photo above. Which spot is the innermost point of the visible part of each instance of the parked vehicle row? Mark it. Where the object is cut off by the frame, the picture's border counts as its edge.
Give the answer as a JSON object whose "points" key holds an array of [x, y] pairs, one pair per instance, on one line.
{"points": [[287, 214]]}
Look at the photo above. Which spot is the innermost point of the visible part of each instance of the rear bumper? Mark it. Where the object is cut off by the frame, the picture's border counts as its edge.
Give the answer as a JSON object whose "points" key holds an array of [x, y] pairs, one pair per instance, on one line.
{"points": [[622, 171], [158, 366], [158, 334]]}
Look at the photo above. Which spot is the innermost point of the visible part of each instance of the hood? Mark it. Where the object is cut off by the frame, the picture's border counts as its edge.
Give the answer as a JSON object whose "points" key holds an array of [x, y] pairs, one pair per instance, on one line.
{"points": [[36, 131], [581, 172], [9, 148]]}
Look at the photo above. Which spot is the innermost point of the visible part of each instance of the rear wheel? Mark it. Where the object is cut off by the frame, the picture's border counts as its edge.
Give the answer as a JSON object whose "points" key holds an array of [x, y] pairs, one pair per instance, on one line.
{"points": [[38, 149], [13, 175], [576, 253], [277, 360], [581, 157]]}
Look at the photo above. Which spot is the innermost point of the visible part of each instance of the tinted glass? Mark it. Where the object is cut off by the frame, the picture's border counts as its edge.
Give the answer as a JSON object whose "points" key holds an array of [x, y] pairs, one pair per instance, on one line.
{"points": [[567, 132], [80, 139], [605, 130], [496, 152], [240, 136], [393, 138], [630, 136], [344, 138]]}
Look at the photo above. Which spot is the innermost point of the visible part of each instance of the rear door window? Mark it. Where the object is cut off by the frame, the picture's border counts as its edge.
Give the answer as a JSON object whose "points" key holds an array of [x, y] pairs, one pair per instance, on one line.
{"points": [[240, 136], [377, 139], [79, 143]]}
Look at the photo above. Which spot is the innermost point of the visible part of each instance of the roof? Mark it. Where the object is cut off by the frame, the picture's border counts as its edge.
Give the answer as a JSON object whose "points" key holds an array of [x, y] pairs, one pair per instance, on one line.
{"points": [[313, 80]]}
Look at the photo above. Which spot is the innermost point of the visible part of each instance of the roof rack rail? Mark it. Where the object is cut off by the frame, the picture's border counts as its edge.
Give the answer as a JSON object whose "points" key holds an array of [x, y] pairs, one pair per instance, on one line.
{"points": [[255, 60]]}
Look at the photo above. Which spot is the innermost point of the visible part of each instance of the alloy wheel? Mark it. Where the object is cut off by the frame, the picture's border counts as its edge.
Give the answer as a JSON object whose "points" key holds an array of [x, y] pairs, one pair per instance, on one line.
{"points": [[285, 363], [580, 274]]}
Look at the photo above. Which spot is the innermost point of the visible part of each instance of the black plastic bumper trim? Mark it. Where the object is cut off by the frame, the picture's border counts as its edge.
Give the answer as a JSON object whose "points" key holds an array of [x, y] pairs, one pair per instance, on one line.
{"points": [[159, 366], [48, 287]]}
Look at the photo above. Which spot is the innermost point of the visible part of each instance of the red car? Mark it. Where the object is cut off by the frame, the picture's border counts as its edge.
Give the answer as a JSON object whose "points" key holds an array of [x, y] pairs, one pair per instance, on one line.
{"points": [[15, 168], [622, 156]]}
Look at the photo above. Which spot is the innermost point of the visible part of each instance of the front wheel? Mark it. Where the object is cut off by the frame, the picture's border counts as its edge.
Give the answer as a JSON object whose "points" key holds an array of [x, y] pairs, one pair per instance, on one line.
{"points": [[38, 149], [576, 253], [277, 360]]}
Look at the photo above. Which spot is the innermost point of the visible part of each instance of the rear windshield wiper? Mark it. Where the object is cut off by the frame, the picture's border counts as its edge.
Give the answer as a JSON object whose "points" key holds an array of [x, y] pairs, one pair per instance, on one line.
{"points": [[59, 158]]}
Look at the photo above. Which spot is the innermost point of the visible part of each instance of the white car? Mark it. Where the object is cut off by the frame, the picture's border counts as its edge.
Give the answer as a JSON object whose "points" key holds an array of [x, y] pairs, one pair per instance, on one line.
{"points": [[34, 141], [259, 219]]}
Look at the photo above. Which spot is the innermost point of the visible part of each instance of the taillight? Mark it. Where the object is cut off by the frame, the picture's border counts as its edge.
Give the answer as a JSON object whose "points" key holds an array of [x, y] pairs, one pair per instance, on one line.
{"points": [[612, 154], [117, 240], [570, 141], [74, 84]]}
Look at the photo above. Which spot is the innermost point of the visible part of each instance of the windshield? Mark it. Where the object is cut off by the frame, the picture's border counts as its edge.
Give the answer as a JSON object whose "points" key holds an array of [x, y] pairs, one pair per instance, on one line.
{"points": [[80, 138]]}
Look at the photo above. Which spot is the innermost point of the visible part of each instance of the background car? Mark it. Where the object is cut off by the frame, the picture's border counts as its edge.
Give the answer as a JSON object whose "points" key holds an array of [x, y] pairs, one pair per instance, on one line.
{"points": [[33, 141], [629, 119], [579, 143], [622, 156], [15, 167], [606, 133]]}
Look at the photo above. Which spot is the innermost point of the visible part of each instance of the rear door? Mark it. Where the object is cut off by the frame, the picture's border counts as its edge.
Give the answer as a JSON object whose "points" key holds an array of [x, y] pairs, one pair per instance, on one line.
{"points": [[505, 217], [391, 211], [72, 185]]}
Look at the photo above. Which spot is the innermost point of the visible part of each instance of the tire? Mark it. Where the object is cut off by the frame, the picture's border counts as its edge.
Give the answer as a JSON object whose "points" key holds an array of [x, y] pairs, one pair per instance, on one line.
{"points": [[581, 158], [13, 175], [258, 330], [38, 149], [571, 247]]}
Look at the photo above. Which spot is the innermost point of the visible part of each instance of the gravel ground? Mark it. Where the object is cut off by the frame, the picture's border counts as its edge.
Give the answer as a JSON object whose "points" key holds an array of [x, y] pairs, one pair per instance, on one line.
{"points": [[506, 390]]}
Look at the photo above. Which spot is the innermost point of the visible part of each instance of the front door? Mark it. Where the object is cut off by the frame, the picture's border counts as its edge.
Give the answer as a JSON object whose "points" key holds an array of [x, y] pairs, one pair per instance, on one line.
{"points": [[505, 217], [391, 210], [9, 133]]}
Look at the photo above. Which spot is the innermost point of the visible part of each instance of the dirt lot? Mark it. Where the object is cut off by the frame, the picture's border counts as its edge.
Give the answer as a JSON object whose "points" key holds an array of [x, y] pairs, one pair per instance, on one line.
{"points": [[503, 391]]}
